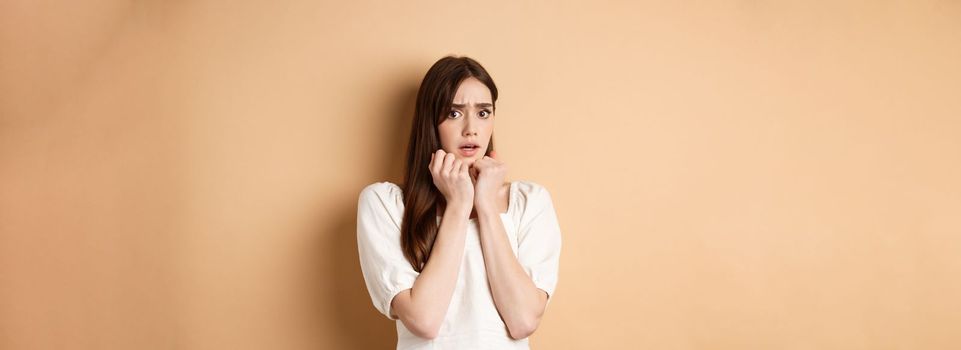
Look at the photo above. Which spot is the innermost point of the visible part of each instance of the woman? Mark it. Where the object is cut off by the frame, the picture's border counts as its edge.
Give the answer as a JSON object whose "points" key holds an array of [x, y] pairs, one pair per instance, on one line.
{"points": [[459, 257]]}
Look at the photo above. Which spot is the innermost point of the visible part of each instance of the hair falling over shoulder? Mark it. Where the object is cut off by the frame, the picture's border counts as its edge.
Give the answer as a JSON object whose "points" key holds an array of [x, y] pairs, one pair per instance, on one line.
{"points": [[421, 198]]}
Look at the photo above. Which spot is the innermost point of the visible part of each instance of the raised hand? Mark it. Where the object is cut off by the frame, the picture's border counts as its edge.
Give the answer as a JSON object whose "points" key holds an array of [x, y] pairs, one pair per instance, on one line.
{"points": [[489, 174], [452, 179]]}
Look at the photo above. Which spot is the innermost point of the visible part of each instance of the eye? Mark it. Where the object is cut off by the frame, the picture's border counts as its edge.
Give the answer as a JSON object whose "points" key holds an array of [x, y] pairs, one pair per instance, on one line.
{"points": [[485, 114], [454, 114]]}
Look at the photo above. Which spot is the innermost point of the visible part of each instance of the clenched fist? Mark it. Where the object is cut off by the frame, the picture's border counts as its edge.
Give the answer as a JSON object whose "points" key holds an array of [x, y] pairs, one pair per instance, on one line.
{"points": [[452, 178], [489, 174]]}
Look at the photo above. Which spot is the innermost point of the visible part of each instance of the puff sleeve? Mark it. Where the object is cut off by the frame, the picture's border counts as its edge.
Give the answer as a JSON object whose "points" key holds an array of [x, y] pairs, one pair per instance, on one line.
{"points": [[539, 239], [386, 271]]}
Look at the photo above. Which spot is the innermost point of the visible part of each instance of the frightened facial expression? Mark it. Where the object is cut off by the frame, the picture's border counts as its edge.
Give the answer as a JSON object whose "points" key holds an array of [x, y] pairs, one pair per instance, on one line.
{"points": [[466, 130]]}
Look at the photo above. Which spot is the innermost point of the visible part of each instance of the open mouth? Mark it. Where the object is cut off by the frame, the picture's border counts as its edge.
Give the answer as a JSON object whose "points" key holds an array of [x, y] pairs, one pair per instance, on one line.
{"points": [[469, 150]]}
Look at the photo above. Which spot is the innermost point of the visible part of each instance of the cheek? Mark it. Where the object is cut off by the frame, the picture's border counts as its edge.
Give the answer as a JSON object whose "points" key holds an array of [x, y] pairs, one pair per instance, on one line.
{"points": [[444, 133], [488, 131]]}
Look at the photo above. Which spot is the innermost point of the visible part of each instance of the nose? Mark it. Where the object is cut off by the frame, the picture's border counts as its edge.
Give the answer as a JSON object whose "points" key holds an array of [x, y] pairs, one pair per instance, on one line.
{"points": [[469, 128]]}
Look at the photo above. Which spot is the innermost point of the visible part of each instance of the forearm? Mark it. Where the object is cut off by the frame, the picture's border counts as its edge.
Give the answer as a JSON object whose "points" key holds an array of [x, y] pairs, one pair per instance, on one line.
{"points": [[432, 291], [519, 302]]}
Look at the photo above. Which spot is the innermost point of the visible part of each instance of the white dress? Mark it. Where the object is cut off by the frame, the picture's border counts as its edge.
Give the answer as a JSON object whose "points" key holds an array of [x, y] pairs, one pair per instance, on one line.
{"points": [[472, 320]]}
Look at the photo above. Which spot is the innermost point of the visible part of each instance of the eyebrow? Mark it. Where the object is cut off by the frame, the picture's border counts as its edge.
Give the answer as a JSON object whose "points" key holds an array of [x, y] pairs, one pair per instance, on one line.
{"points": [[479, 105]]}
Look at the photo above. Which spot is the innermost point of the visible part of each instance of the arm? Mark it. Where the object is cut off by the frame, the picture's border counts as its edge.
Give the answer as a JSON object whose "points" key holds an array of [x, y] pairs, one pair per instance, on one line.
{"points": [[422, 308], [520, 303]]}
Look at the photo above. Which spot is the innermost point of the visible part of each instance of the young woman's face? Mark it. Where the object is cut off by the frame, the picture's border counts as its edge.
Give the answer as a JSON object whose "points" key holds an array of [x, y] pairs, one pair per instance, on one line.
{"points": [[470, 122]]}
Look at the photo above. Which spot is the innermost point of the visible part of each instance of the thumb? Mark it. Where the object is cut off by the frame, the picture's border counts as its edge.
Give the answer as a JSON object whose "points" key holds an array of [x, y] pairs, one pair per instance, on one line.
{"points": [[493, 154]]}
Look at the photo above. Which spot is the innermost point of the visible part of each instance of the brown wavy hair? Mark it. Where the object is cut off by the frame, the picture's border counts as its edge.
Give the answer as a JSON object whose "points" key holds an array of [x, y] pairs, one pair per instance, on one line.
{"points": [[421, 198]]}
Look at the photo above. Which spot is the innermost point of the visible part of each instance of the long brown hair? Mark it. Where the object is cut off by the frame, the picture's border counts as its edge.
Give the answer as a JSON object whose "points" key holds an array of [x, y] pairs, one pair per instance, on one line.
{"points": [[421, 198]]}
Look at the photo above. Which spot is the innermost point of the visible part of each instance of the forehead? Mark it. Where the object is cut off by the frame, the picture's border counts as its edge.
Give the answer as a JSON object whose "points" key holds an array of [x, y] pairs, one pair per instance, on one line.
{"points": [[472, 91]]}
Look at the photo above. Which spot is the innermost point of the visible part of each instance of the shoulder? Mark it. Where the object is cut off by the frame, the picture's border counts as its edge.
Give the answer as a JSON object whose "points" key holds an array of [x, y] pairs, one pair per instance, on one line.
{"points": [[382, 196], [529, 194], [381, 189], [529, 189]]}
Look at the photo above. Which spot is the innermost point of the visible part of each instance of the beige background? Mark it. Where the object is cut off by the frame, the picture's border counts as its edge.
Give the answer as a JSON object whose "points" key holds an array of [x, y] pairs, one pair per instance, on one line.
{"points": [[728, 175]]}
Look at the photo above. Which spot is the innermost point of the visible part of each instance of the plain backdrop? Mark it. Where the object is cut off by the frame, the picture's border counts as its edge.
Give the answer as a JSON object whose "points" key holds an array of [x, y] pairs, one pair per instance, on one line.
{"points": [[727, 174]]}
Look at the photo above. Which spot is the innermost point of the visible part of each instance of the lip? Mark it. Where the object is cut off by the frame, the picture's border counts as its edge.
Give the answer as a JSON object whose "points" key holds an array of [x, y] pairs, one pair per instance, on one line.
{"points": [[468, 152]]}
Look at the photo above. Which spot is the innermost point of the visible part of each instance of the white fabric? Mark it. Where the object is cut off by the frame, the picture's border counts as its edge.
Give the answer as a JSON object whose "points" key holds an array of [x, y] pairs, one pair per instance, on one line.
{"points": [[472, 320]]}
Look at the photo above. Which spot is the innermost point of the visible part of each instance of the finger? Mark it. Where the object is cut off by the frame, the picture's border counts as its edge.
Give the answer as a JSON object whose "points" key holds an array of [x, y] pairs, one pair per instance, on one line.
{"points": [[455, 168], [467, 172], [484, 162], [448, 162], [447, 159], [437, 162], [493, 154]]}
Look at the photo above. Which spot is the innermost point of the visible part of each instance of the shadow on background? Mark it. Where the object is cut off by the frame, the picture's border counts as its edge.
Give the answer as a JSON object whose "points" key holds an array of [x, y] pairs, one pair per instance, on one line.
{"points": [[358, 323]]}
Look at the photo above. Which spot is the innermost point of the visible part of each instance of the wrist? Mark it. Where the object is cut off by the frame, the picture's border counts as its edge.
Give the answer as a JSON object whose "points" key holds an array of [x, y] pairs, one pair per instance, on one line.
{"points": [[488, 216], [485, 208], [459, 209]]}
